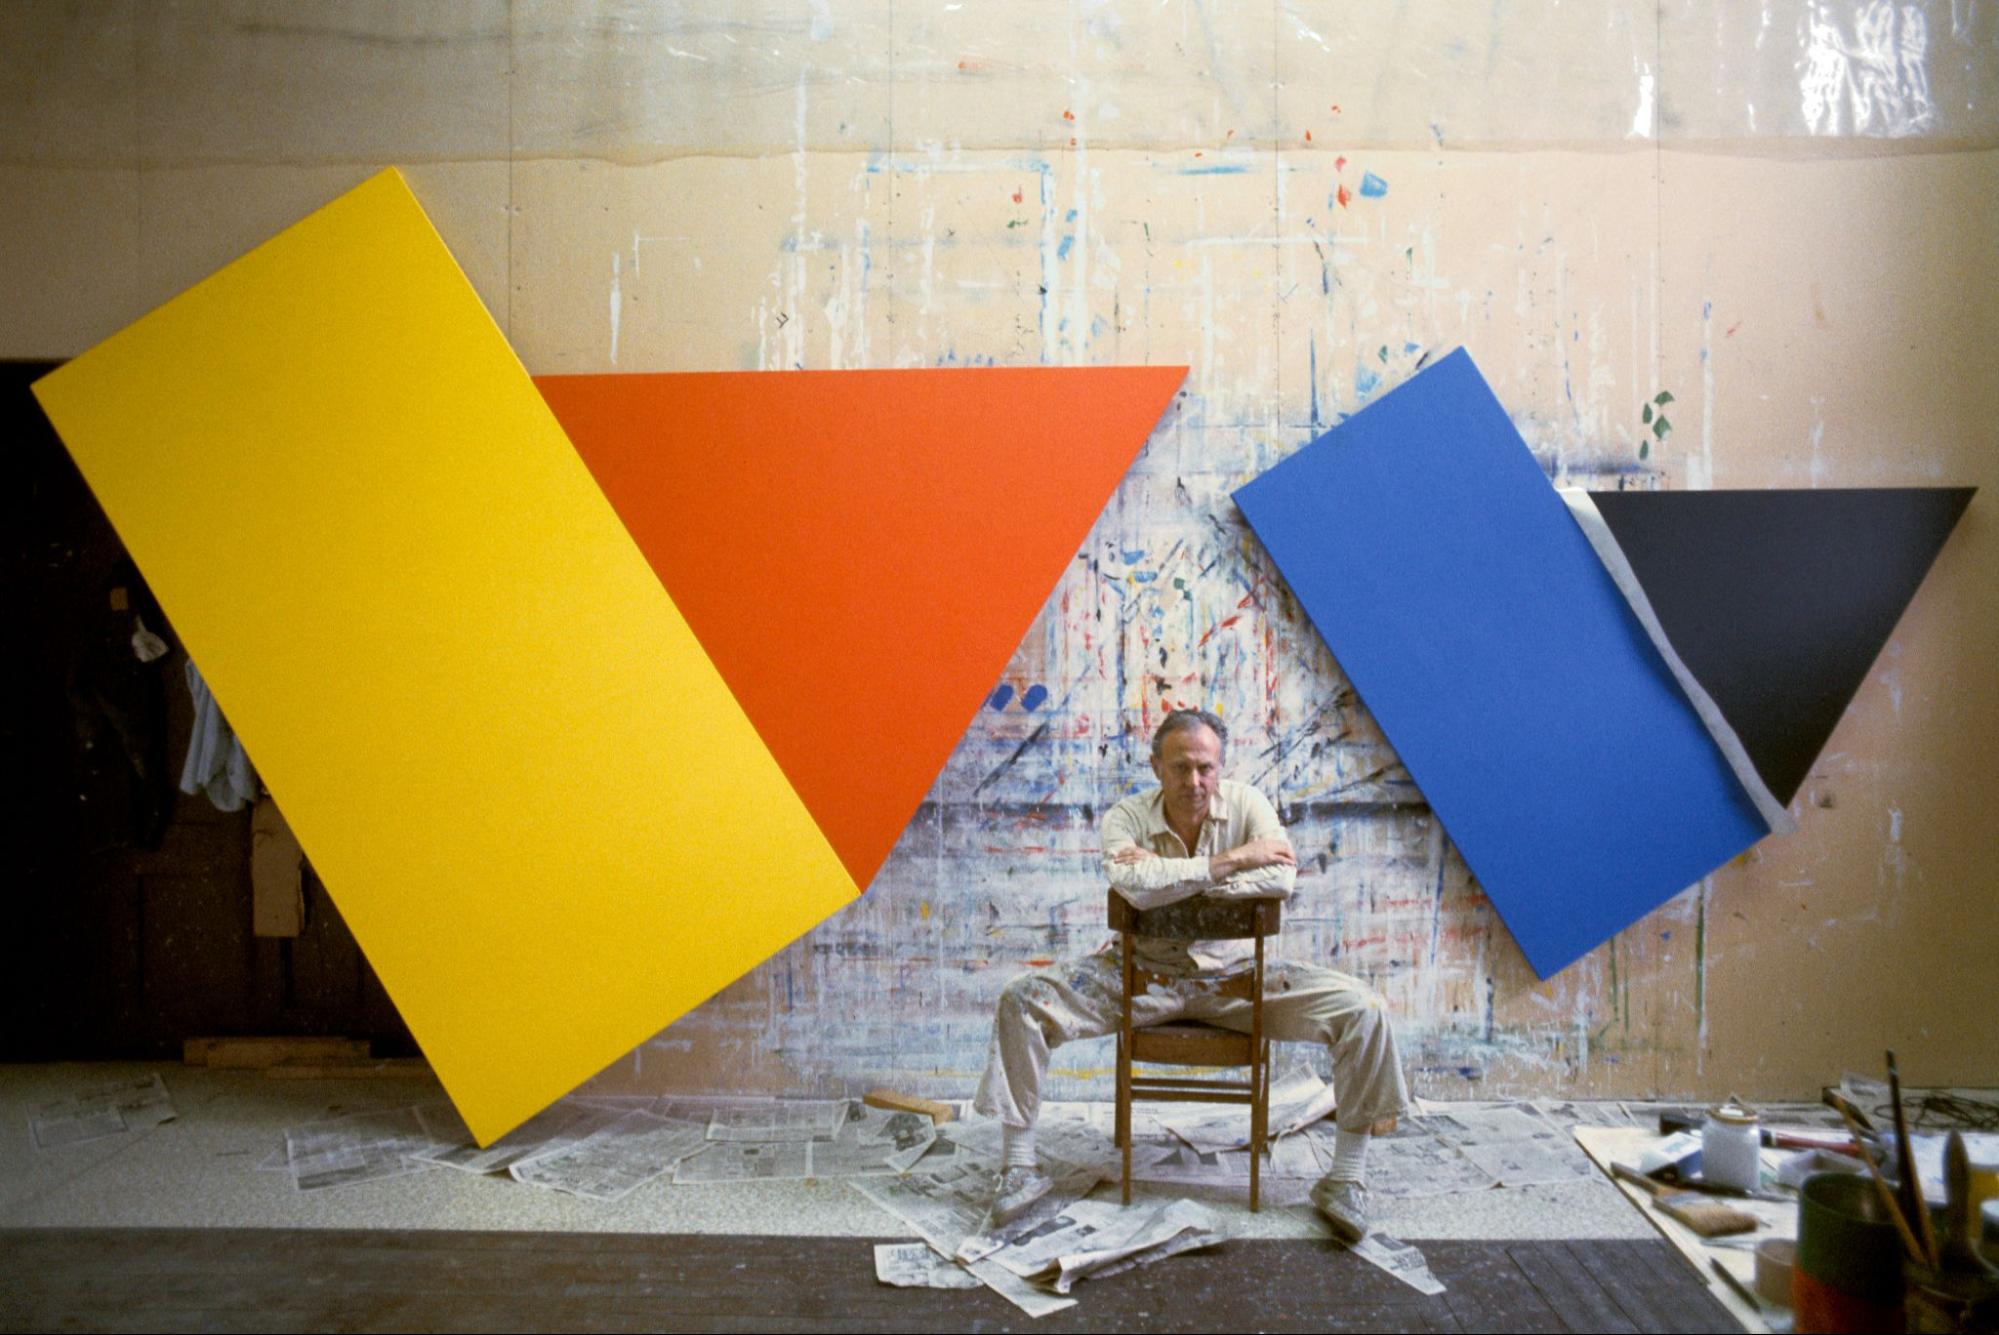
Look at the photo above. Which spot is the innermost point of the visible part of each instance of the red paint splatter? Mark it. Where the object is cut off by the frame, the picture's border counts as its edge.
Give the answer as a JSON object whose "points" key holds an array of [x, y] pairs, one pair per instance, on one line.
{"points": [[1068, 115], [1197, 152], [1732, 328], [1210, 634], [1308, 136], [1336, 108], [1339, 162], [1229, 135], [1344, 196], [1016, 196]]}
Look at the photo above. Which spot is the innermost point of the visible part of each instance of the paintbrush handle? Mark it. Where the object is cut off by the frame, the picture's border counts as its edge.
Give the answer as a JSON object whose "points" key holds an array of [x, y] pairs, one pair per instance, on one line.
{"points": [[1909, 1242], [1905, 1166], [1638, 1179]]}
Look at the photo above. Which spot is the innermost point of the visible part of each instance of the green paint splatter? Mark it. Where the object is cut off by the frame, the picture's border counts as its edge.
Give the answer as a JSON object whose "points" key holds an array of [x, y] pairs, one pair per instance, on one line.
{"points": [[1017, 222], [1382, 354], [1653, 414]]}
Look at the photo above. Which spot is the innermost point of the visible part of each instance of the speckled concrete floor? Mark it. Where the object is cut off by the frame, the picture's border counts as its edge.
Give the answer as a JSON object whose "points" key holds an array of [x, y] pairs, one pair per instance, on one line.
{"points": [[200, 1170]]}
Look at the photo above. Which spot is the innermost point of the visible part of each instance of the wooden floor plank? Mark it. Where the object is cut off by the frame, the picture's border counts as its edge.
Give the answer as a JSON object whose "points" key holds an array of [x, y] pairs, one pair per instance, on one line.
{"points": [[1650, 1295], [350, 1280], [1569, 1288], [1488, 1290]]}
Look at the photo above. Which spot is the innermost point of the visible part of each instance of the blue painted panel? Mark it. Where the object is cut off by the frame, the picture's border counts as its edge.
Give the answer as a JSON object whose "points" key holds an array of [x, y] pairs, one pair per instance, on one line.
{"points": [[1445, 574]]}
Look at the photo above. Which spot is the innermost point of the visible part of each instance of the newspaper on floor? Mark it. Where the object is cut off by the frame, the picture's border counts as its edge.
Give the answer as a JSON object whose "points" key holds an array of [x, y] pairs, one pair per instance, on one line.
{"points": [[1295, 1103], [111, 1110], [1148, 1120], [736, 1161], [1511, 1143], [1092, 1238], [1059, 1143], [946, 1204], [867, 1141], [1187, 1166], [358, 1147], [1403, 1167], [913, 1265], [615, 1160], [1568, 1114], [553, 1127], [1399, 1259], [1030, 1298], [905, 1136], [779, 1120]]}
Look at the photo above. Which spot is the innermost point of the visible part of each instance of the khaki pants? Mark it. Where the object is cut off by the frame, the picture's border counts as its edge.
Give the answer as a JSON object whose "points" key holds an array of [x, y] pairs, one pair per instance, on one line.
{"points": [[1083, 998]]}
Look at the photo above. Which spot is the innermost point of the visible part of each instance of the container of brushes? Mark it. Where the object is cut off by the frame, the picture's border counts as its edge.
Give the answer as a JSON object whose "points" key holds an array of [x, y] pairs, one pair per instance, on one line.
{"points": [[1848, 1275]]}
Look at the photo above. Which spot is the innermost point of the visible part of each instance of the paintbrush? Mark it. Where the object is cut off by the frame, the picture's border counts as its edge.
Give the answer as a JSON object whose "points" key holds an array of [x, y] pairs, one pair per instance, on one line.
{"points": [[1844, 1106], [1905, 1165], [1888, 1201], [1703, 1214]]}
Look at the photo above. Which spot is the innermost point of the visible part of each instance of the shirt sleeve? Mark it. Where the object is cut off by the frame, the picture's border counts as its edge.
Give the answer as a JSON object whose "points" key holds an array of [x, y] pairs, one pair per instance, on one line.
{"points": [[1149, 882], [1259, 822]]}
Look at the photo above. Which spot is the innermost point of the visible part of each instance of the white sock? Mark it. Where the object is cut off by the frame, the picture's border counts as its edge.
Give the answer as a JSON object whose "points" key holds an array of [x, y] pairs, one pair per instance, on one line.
{"points": [[1017, 1146], [1349, 1156]]}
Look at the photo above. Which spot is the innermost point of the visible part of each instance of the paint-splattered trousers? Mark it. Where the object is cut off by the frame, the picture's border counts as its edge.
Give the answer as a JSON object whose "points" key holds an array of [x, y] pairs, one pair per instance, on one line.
{"points": [[1083, 998]]}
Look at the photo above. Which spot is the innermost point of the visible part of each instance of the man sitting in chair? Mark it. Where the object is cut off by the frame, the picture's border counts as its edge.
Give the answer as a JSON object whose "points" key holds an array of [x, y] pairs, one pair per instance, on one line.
{"points": [[1195, 834]]}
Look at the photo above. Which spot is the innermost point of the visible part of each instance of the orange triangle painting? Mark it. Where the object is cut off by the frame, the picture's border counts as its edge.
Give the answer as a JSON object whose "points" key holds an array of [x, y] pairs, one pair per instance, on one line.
{"points": [[860, 552]]}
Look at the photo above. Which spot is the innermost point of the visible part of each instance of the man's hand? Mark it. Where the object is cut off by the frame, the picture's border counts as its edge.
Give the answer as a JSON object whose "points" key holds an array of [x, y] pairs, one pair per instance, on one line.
{"points": [[1267, 852], [1131, 853]]}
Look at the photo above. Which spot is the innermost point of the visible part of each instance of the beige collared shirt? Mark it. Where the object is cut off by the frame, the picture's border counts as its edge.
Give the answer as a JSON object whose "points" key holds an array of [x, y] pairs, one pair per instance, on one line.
{"points": [[1236, 814]]}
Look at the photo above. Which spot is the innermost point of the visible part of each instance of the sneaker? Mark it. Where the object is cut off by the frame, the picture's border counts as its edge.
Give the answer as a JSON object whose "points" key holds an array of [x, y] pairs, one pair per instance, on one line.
{"points": [[1015, 1191], [1344, 1204]]}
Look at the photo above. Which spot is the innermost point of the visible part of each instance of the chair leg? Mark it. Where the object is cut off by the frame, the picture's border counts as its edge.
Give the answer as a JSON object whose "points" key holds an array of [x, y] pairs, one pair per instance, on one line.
{"points": [[1255, 1137], [1124, 1046]]}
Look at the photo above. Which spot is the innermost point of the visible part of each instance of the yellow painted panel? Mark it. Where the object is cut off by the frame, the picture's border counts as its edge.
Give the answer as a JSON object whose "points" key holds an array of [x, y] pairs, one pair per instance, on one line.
{"points": [[537, 804]]}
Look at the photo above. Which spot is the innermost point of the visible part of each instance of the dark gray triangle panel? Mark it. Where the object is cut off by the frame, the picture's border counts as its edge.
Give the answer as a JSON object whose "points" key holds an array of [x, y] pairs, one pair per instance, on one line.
{"points": [[1779, 601]]}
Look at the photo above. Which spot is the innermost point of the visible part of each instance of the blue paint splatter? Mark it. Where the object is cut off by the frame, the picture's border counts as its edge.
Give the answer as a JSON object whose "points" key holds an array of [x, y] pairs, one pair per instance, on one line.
{"points": [[1364, 380], [1034, 697], [1145, 576], [1132, 557], [1062, 250], [1070, 216], [1000, 697], [1372, 186], [1218, 169], [1312, 345]]}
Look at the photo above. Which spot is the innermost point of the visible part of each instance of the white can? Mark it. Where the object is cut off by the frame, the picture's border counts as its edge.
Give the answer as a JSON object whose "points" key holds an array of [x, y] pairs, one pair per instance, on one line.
{"points": [[1731, 1147]]}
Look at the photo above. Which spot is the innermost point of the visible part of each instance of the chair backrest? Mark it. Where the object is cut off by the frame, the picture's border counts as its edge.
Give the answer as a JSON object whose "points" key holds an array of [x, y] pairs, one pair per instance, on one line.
{"points": [[1198, 919]]}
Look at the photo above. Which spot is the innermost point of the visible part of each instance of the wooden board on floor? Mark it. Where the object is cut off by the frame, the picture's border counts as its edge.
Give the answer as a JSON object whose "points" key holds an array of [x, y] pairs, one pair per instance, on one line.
{"points": [[274, 1280], [1604, 1144]]}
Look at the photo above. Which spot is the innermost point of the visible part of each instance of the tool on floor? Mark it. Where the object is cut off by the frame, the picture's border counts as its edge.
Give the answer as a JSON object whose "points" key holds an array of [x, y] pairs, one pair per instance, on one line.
{"points": [[1707, 1217]]}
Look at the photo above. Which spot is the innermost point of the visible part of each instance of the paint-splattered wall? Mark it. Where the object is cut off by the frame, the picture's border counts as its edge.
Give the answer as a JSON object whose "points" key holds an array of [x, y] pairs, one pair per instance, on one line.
{"points": [[1696, 245]]}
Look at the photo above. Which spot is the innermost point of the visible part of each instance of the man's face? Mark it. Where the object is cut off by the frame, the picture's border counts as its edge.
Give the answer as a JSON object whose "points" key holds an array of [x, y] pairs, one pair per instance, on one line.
{"points": [[1189, 766]]}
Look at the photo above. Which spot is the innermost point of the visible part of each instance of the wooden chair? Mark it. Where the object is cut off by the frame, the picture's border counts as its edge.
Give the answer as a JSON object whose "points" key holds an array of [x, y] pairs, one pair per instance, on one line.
{"points": [[1193, 1043]]}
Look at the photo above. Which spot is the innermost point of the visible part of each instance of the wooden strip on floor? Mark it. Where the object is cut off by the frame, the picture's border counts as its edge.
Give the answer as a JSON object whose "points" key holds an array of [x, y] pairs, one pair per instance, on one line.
{"points": [[280, 1280]]}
